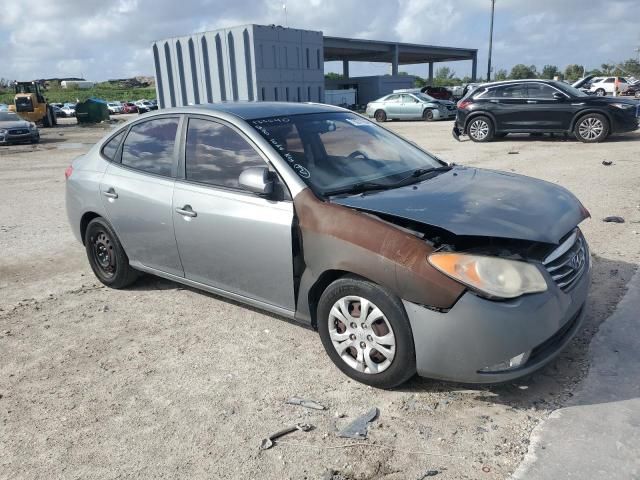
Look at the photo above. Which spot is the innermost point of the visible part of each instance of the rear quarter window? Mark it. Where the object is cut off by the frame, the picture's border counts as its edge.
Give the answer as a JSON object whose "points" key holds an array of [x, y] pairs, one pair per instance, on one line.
{"points": [[111, 147]]}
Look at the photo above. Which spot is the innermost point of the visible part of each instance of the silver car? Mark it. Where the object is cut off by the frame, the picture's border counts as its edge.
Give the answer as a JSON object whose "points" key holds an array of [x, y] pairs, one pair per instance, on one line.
{"points": [[404, 264], [410, 106]]}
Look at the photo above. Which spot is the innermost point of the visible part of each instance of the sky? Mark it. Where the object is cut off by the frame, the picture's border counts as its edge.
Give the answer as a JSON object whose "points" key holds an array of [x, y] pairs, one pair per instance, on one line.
{"points": [[102, 39]]}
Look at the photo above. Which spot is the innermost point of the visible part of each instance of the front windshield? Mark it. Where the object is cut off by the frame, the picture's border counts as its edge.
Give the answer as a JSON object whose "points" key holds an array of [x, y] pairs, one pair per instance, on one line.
{"points": [[425, 97], [9, 117], [574, 92], [337, 151]]}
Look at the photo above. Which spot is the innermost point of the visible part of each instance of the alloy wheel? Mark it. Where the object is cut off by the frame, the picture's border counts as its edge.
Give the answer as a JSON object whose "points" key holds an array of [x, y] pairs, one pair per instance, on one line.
{"points": [[590, 128], [362, 335], [479, 129]]}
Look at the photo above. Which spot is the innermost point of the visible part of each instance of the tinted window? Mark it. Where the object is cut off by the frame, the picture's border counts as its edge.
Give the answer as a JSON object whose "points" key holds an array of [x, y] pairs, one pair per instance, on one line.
{"points": [[510, 91], [217, 154], [111, 147], [540, 90], [149, 146], [609, 80]]}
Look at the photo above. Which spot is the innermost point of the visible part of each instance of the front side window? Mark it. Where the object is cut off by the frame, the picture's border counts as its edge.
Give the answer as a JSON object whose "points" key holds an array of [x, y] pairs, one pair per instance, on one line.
{"points": [[216, 154], [111, 147], [337, 151], [149, 146], [540, 90]]}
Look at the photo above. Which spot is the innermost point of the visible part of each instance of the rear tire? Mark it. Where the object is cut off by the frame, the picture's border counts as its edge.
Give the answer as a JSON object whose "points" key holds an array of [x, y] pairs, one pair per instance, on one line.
{"points": [[480, 129], [591, 128], [107, 258], [380, 116], [601, 92], [356, 336], [427, 115], [46, 121]]}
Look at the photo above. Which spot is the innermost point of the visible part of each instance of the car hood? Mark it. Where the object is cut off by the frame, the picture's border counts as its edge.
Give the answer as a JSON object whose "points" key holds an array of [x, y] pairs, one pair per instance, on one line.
{"points": [[477, 202], [14, 124]]}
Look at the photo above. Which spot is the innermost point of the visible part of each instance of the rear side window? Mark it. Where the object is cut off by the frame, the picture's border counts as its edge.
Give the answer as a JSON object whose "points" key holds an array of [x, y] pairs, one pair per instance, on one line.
{"points": [[149, 146], [511, 91], [392, 98], [111, 147], [216, 154]]}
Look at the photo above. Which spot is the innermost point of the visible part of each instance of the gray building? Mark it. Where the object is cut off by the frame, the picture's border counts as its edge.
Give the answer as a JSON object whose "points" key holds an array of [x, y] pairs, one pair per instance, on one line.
{"points": [[256, 62]]}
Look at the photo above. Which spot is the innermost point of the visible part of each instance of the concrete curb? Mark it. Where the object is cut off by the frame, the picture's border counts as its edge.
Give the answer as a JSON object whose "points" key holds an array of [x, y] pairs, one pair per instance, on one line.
{"points": [[598, 433]]}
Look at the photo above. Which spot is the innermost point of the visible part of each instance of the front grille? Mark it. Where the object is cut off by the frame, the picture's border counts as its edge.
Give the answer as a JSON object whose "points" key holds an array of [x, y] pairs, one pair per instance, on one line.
{"points": [[567, 263], [18, 131]]}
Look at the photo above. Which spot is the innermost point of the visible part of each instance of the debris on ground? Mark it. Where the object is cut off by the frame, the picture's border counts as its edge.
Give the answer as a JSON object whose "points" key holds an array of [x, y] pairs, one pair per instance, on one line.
{"points": [[267, 443], [513, 152], [486, 469], [429, 473], [359, 427], [305, 403], [613, 219], [607, 163]]}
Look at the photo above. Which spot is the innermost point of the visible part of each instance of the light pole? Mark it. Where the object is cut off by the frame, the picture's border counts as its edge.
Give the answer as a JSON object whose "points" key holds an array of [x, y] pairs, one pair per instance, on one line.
{"points": [[493, 7]]}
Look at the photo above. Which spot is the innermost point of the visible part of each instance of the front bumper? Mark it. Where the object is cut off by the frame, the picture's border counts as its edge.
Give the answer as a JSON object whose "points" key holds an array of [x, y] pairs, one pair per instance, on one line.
{"points": [[477, 333], [26, 137]]}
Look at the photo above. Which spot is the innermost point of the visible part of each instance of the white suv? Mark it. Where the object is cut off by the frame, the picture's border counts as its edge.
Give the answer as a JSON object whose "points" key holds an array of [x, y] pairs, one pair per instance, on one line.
{"points": [[606, 85], [114, 107]]}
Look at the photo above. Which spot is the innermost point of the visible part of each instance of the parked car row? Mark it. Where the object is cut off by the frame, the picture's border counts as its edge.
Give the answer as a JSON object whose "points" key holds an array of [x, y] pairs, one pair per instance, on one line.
{"points": [[115, 108]]}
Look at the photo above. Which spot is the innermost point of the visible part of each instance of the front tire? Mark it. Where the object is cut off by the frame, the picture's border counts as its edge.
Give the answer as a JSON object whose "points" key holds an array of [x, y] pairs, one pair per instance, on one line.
{"points": [[427, 115], [591, 128], [480, 129], [366, 333], [107, 258], [380, 116]]}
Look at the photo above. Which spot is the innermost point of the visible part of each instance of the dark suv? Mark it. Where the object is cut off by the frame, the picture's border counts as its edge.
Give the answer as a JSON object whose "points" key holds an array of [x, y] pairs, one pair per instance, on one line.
{"points": [[542, 106]]}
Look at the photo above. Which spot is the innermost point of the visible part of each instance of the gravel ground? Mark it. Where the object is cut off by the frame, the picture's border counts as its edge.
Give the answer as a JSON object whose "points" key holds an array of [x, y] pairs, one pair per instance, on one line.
{"points": [[162, 381]]}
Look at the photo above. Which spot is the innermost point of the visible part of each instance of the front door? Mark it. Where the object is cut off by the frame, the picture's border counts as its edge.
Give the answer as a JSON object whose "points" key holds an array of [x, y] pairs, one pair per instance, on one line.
{"points": [[227, 237], [137, 194], [411, 106]]}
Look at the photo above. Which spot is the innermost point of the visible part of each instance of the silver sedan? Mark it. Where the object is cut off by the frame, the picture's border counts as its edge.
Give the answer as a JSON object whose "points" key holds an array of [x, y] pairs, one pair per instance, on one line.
{"points": [[410, 106], [403, 263]]}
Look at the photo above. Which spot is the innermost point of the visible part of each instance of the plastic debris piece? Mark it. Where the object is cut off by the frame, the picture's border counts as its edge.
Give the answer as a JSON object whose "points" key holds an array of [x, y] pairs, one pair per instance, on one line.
{"points": [[305, 403], [429, 473], [613, 219], [607, 163], [359, 427]]}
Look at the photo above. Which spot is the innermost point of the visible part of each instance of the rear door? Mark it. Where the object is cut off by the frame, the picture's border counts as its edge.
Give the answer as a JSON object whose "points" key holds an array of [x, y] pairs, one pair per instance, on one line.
{"points": [[508, 105], [137, 192], [393, 106], [229, 238]]}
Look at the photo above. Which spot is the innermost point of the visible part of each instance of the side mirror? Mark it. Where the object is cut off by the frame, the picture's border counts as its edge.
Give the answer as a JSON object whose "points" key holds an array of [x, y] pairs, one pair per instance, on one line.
{"points": [[559, 96], [257, 180]]}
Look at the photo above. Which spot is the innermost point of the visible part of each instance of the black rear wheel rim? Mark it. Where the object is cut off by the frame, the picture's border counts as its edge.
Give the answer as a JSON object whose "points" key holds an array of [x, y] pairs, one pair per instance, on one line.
{"points": [[103, 253]]}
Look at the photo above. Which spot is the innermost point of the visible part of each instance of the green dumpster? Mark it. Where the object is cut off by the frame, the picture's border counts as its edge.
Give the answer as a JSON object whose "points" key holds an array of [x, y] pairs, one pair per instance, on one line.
{"points": [[92, 110]]}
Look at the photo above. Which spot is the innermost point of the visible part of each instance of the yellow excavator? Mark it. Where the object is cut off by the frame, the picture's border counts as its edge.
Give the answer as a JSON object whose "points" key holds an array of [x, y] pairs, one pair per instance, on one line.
{"points": [[29, 103]]}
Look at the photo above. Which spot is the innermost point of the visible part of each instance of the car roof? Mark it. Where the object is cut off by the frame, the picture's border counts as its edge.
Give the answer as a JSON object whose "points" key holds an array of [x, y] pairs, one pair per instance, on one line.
{"points": [[248, 110], [508, 82]]}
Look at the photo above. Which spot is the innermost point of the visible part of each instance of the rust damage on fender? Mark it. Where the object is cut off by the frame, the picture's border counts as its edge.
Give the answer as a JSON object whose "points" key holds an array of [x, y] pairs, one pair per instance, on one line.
{"points": [[335, 237]]}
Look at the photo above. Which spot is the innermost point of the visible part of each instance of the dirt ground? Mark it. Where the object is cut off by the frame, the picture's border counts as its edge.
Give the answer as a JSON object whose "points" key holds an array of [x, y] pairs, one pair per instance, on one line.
{"points": [[162, 381]]}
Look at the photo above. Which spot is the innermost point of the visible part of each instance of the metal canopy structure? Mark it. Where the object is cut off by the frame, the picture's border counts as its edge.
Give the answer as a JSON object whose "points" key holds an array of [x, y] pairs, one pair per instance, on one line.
{"points": [[395, 53]]}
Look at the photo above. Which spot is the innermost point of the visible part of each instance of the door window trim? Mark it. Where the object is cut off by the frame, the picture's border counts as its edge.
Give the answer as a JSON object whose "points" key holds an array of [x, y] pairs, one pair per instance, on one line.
{"points": [[117, 160], [489, 89], [181, 166]]}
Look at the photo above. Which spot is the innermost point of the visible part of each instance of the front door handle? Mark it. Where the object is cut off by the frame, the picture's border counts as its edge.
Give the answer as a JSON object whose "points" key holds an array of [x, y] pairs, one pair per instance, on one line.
{"points": [[187, 211], [110, 193], [532, 101]]}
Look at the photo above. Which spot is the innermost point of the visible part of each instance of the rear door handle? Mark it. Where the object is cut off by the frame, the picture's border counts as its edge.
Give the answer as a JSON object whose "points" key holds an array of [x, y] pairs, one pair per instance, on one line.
{"points": [[187, 211], [532, 101], [110, 193]]}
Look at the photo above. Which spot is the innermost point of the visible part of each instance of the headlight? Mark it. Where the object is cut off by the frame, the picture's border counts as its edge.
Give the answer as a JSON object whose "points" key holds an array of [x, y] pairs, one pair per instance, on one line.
{"points": [[32, 126], [3, 131], [490, 276], [623, 106]]}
